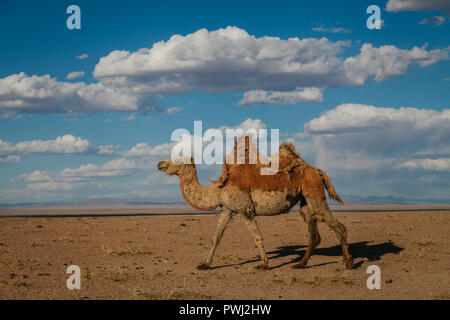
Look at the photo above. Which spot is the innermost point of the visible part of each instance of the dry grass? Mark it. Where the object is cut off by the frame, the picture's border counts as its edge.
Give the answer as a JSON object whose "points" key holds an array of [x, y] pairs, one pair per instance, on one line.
{"points": [[134, 251]]}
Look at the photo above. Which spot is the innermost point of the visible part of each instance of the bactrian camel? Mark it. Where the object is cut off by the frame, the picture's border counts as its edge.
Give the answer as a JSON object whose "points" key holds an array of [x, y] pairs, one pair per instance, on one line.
{"points": [[242, 190]]}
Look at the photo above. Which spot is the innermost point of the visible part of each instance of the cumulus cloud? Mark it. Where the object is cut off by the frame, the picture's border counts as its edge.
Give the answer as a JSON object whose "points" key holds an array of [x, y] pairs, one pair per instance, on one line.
{"points": [[387, 61], [95, 177], [280, 97], [427, 164], [116, 167], [437, 21], [372, 150], [108, 150], [46, 94], [145, 150], [74, 75], [231, 60], [249, 126], [351, 117], [222, 60], [418, 5], [36, 176], [70, 178], [67, 144], [82, 56], [363, 137]]}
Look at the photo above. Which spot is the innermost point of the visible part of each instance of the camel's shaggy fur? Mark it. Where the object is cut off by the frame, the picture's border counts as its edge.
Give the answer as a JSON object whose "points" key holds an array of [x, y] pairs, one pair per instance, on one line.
{"points": [[241, 189], [294, 174]]}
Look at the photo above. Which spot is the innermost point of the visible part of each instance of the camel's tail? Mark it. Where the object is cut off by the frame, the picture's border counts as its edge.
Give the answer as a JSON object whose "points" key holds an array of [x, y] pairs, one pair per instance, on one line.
{"points": [[331, 191]]}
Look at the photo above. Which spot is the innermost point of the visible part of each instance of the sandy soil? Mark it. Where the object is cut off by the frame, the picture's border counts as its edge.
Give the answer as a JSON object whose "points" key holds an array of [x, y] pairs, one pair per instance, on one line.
{"points": [[149, 257]]}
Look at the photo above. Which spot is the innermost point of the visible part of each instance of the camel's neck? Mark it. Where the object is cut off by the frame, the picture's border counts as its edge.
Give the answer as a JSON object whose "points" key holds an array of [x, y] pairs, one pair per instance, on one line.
{"points": [[196, 195]]}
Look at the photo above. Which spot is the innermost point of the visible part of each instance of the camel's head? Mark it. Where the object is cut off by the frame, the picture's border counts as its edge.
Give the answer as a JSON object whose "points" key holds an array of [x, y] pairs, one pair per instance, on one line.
{"points": [[176, 166]]}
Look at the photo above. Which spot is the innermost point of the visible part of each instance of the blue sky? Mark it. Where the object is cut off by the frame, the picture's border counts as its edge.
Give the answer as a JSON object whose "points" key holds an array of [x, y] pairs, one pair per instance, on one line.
{"points": [[355, 126]]}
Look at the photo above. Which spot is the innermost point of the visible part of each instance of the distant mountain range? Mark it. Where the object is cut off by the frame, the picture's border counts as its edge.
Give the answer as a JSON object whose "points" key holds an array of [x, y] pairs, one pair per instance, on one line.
{"points": [[375, 200], [130, 203], [96, 203]]}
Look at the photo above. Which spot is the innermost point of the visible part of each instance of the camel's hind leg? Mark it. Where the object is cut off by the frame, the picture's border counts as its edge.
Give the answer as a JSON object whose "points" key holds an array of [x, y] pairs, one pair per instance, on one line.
{"points": [[341, 233], [252, 226], [314, 236], [224, 219]]}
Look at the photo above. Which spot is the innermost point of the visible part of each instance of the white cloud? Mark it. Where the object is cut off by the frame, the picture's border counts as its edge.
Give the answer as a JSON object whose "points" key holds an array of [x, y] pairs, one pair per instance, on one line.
{"points": [[437, 21], [92, 175], [82, 56], [116, 167], [74, 75], [108, 150], [427, 164], [36, 176], [223, 60], [88, 173], [173, 110], [281, 98], [388, 61], [352, 117], [144, 150], [67, 144], [362, 136], [248, 126], [231, 60], [46, 94], [371, 150], [418, 5]]}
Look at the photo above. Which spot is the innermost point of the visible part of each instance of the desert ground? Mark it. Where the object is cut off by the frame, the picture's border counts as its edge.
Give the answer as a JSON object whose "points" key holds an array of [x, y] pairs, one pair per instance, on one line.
{"points": [[138, 254]]}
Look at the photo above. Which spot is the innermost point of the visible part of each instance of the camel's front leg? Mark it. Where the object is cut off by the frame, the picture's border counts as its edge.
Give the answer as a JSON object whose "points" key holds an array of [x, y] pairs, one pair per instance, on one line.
{"points": [[224, 219], [252, 226]]}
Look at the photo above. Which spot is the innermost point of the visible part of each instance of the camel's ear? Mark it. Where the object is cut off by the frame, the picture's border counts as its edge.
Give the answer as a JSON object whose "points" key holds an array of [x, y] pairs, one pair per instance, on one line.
{"points": [[192, 160]]}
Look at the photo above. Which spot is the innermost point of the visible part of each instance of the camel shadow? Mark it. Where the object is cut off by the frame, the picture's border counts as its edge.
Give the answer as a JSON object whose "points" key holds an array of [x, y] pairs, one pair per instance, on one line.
{"points": [[363, 249]]}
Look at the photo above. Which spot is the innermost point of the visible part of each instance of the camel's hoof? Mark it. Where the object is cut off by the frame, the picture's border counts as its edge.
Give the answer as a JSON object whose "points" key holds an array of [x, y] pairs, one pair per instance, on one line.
{"points": [[263, 267], [299, 266], [203, 266]]}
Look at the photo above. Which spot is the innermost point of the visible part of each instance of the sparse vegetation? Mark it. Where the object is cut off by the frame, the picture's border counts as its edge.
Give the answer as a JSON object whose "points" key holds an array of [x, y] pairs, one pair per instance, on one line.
{"points": [[315, 281], [134, 251]]}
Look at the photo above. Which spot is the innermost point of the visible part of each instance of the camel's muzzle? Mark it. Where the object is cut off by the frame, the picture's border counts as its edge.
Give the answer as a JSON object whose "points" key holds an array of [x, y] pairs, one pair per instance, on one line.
{"points": [[162, 166]]}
